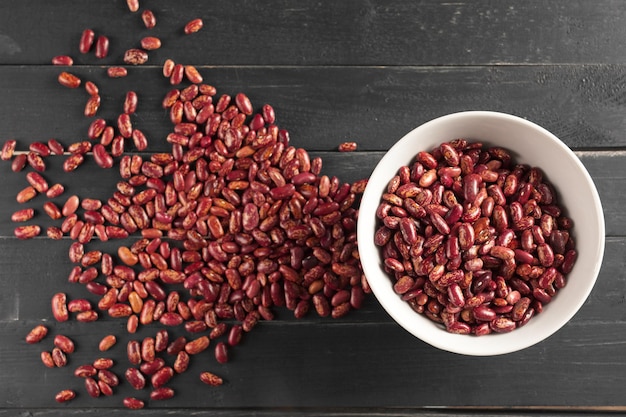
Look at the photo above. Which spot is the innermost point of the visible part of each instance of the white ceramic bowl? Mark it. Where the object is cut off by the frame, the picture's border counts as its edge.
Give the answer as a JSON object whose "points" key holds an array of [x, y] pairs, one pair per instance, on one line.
{"points": [[530, 144]]}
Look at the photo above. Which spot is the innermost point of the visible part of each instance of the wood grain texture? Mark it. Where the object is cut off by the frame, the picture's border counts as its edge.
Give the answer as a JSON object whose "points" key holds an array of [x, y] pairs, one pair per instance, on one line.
{"points": [[349, 70], [293, 363], [322, 107], [349, 32]]}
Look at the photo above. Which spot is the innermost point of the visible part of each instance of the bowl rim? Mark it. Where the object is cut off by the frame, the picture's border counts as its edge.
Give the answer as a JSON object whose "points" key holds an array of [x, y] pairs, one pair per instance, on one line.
{"points": [[389, 300]]}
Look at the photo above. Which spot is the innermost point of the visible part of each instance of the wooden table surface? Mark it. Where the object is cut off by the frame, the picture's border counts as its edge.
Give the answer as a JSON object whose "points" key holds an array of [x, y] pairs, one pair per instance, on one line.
{"points": [[334, 71]]}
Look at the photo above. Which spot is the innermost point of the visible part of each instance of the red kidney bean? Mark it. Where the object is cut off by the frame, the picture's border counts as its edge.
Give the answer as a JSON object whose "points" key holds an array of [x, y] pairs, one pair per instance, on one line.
{"points": [[150, 43], [64, 343], [347, 147], [133, 403], [192, 74], [133, 5], [162, 393], [210, 378], [193, 26], [37, 334], [69, 80], [102, 47], [135, 56], [65, 396], [59, 357], [36, 162], [85, 371], [148, 18], [117, 72], [92, 387], [86, 41], [135, 378], [62, 60], [107, 342], [59, 307], [108, 377]]}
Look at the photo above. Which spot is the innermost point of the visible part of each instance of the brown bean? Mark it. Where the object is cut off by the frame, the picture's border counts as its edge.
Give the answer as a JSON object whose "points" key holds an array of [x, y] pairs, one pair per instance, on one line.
{"points": [[64, 343], [69, 80], [23, 215], [87, 316], [197, 345], [108, 377], [133, 403], [103, 363], [117, 72], [59, 307], [107, 342], [210, 378], [86, 41], [135, 56], [193, 26], [135, 378], [221, 352], [65, 396], [85, 371], [148, 18], [62, 60], [59, 358], [102, 47], [92, 387], [192, 74], [37, 334], [347, 147], [162, 393], [182, 362], [150, 43], [26, 194], [133, 5]]}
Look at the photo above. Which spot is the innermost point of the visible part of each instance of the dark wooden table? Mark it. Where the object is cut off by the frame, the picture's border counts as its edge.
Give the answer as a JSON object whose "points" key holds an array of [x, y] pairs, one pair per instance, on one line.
{"points": [[334, 71]]}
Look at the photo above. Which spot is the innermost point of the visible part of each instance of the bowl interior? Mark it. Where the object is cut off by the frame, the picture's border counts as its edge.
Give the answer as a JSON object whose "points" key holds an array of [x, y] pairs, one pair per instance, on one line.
{"points": [[529, 144]]}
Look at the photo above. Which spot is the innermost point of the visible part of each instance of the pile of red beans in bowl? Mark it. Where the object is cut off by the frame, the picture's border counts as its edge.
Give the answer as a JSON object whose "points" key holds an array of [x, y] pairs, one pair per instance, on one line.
{"points": [[473, 240]]}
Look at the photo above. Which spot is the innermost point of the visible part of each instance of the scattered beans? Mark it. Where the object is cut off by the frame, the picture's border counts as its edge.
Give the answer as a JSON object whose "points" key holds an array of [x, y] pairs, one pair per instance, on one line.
{"points": [[59, 307], [133, 403], [133, 5], [193, 26], [69, 80], [65, 396], [86, 41], [37, 334], [135, 56], [470, 238], [117, 72], [59, 357], [64, 343], [148, 18], [347, 147], [150, 43], [211, 379], [23, 215], [62, 60], [27, 232], [102, 47], [47, 360], [234, 215]]}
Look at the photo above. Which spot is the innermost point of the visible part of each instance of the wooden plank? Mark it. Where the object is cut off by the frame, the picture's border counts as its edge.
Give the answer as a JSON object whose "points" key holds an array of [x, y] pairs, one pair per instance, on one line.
{"points": [[606, 168], [318, 362], [298, 32], [322, 107], [371, 77], [312, 412]]}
